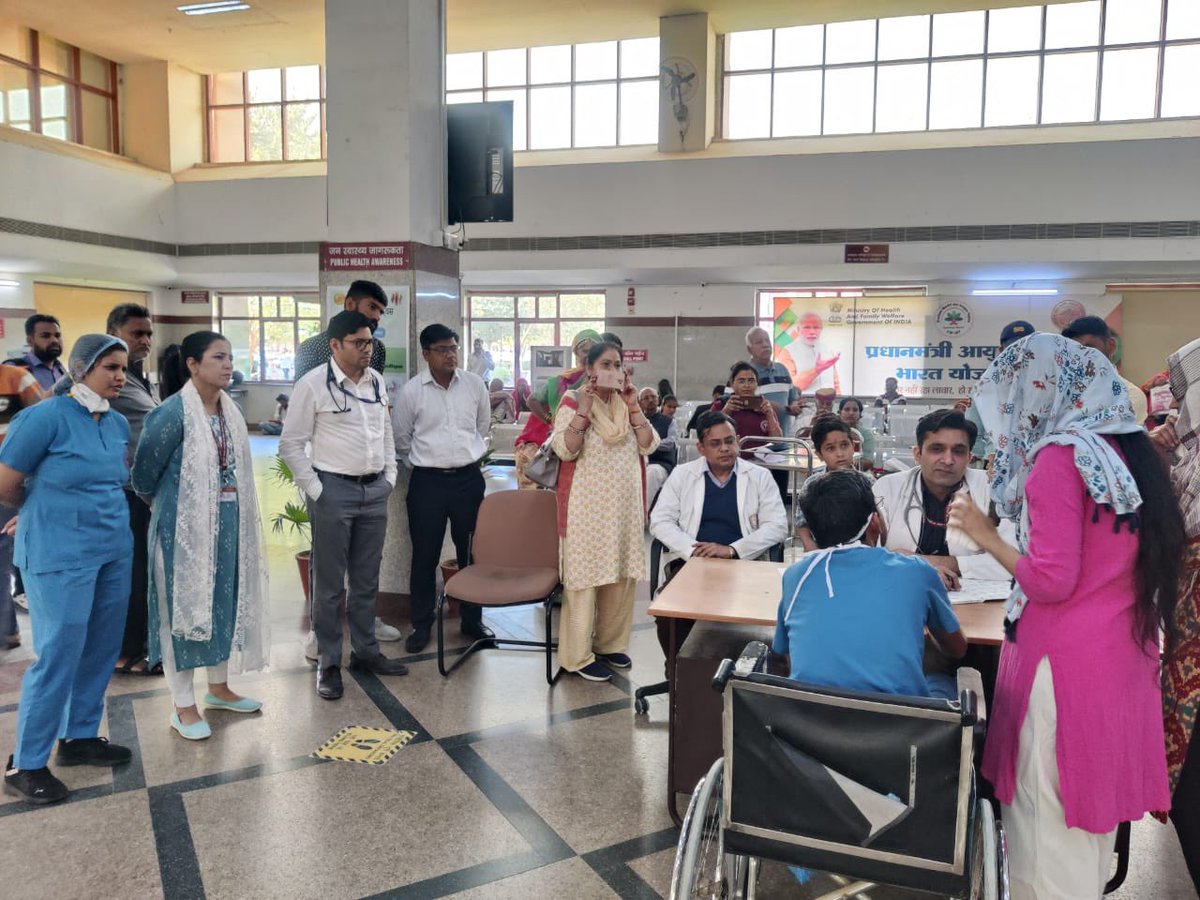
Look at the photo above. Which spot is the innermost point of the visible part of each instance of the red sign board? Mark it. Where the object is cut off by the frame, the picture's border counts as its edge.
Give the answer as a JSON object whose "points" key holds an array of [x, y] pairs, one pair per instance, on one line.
{"points": [[636, 356], [350, 257], [867, 253], [194, 296]]}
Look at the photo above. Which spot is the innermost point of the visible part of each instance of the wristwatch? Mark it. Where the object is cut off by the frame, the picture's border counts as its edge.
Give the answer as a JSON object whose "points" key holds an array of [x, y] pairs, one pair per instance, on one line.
{"points": [[733, 550]]}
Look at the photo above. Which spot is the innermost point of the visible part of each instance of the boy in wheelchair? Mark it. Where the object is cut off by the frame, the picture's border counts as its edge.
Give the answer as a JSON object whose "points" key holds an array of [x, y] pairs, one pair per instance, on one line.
{"points": [[853, 615]]}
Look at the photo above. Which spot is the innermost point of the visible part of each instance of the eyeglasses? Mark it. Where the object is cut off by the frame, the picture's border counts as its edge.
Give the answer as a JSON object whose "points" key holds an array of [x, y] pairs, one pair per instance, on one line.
{"points": [[444, 351], [360, 343]]}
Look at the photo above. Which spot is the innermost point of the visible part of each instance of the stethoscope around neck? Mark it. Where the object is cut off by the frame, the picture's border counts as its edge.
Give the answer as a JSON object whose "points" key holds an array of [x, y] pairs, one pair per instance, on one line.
{"points": [[347, 396], [916, 501]]}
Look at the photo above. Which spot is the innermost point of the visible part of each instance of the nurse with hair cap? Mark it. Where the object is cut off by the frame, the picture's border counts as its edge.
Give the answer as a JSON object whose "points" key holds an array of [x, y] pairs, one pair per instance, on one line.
{"points": [[63, 464]]}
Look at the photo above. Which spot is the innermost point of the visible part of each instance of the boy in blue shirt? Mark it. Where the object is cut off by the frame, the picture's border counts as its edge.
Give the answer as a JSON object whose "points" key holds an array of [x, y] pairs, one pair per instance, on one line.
{"points": [[854, 615]]}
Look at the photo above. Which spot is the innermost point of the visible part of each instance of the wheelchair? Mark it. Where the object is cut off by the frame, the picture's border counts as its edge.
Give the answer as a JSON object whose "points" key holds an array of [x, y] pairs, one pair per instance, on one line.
{"points": [[875, 787]]}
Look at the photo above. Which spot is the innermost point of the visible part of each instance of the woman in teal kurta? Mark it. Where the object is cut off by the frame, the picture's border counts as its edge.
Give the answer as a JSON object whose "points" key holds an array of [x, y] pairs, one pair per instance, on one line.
{"points": [[206, 593]]}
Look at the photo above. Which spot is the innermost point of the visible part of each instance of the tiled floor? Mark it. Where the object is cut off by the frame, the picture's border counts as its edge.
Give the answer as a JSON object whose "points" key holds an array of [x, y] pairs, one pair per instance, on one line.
{"points": [[511, 789]]}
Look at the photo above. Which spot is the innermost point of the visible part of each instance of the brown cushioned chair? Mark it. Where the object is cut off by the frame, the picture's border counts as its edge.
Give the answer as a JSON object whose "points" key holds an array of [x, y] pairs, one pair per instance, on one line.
{"points": [[514, 561]]}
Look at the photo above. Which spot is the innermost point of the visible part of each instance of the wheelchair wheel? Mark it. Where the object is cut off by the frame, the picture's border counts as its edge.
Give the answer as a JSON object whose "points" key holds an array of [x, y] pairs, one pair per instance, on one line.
{"points": [[702, 868], [989, 870]]}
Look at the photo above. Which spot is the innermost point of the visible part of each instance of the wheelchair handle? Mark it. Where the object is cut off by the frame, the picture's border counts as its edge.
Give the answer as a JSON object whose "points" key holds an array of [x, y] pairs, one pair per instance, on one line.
{"points": [[724, 671], [969, 707], [753, 659]]}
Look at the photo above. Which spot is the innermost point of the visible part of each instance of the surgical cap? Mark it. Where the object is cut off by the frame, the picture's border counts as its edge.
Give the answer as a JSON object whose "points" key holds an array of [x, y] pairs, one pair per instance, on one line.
{"points": [[84, 355]]}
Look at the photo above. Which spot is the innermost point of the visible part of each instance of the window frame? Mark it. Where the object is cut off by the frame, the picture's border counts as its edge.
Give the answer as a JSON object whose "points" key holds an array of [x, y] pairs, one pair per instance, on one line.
{"points": [[245, 106], [528, 85], [564, 327], [298, 297], [75, 87], [1100, 47]]}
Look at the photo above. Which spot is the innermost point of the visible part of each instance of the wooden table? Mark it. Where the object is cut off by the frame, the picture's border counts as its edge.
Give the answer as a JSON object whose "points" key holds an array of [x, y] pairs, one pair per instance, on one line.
{"points": [[748, 591]]}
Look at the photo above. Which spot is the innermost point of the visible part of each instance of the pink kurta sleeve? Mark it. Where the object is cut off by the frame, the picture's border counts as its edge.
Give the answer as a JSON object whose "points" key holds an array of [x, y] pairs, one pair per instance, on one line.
{"points": [[1056, 498]]}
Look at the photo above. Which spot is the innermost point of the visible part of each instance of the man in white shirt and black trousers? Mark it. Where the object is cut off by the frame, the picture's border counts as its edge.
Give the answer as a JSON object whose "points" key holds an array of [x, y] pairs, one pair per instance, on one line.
{"points": [[441, 425], [341, 409]]}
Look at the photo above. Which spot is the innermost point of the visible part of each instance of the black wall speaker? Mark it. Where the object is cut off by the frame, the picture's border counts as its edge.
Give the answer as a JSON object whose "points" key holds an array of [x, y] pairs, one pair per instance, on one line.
{"points": [[479, 166]]}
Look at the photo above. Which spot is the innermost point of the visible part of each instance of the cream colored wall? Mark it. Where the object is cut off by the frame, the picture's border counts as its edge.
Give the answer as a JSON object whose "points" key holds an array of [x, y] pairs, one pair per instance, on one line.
{"points": [[1155, 325], [81, 310], [185, 111], [145, 126]]}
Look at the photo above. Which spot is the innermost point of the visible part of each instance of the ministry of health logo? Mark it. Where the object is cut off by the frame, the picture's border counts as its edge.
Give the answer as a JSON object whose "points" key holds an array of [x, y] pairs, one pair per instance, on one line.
{"points": [[953, 319]]}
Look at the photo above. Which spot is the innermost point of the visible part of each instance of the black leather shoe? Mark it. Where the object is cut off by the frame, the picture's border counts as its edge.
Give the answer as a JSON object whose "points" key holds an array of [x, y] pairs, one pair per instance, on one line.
{"points": [[479, 632], [95, 751], [418, 640], [329, 683], [38, 786], [379, 664]]}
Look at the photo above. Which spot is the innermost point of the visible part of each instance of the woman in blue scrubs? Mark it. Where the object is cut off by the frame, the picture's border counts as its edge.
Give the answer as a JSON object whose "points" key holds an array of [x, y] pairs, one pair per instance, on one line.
{"points": [[63, 463]]}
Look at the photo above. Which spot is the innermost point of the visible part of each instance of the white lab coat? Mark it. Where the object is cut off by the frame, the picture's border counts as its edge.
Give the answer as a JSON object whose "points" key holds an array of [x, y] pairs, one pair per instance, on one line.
{"points": [[899, 496], [675, 519]]}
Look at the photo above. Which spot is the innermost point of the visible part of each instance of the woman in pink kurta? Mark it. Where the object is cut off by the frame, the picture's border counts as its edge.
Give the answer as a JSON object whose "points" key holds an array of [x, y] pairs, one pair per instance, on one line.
{"points": [[1075, 741]]}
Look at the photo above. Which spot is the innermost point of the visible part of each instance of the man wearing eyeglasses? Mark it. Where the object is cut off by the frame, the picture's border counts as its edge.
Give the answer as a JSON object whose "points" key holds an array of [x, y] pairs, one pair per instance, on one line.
{"points": [[341, 410], [442, 418], [365, 297]]}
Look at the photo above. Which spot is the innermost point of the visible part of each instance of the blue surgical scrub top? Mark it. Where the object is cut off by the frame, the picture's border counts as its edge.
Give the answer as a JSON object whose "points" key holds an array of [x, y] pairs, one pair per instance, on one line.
{"points": [[75, 514]]}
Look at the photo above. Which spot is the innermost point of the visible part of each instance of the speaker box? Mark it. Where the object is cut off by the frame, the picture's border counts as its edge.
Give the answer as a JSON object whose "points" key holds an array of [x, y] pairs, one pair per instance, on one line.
{"points": [[479, 166]]}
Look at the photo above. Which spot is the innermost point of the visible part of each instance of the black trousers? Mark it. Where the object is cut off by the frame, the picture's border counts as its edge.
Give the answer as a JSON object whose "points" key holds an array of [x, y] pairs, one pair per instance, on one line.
{"points": [[136, 641], [1185, 809], [435, 498]]}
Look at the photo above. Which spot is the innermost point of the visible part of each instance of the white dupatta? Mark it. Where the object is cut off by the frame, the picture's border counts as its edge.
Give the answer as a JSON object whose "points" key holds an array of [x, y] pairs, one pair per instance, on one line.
{"points": [[196, 526]]}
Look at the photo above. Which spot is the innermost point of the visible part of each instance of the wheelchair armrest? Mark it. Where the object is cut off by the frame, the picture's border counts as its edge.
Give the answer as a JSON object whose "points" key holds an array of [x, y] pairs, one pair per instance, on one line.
{"points": [[970, 695], [753, 659]]}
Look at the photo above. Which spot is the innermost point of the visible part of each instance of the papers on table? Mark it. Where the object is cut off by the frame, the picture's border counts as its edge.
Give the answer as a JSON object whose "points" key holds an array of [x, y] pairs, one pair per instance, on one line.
{"points": [[977, 590]]}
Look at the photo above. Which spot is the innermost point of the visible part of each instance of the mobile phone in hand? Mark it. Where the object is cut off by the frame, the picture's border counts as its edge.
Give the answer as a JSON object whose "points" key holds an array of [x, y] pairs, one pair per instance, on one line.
{"points": [[610, 378]]}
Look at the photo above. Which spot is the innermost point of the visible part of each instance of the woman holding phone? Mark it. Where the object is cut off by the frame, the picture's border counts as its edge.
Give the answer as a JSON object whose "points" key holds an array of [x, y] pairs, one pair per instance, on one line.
{"points": [[602, 438], [752, 415]]}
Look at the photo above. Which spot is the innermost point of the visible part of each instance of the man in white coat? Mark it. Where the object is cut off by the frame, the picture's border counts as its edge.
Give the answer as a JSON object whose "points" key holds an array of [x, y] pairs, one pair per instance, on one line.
{"points": [[717, 506], [913, 504]]}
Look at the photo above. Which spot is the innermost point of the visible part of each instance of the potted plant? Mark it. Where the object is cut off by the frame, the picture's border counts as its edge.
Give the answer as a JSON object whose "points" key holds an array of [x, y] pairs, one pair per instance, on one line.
{"points": [[293, 518]]}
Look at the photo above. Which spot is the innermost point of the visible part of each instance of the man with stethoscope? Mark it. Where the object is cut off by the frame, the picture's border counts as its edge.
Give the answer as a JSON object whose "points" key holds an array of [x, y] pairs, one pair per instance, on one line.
{"points": [[341, 409], [913, 504]]}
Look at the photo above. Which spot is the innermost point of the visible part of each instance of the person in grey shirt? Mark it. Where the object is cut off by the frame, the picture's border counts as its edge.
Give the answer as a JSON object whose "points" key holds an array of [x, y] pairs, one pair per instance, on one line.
{"points": [[758, 345], [131, 323]]}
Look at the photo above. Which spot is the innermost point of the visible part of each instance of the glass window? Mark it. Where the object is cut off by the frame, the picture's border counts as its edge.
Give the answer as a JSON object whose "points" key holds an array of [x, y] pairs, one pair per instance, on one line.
{"points": [[850, 42], [596, 115], [1012, 91], [266, 330], [264, 85], [748, 106], [55, 56], [596, 62], [572, 306], [464, 71], [1183, 19], [900, 94], [14, 96], [95, 71], [497, 339], [1132, 21], [97, 121], [1014, 29], [14, 41], [639, 58], [958, 34], [1072, 25], [1181, 74], [1128, 84], [549, 118], [904, 37], [745, 50], [956, 94], [527, 307], [537, 334], [465, 97], [547, 307], [266, 133], [520, 123], [802, 45], [303, 130], [227, 134], [550, 65], [510, 340], [1069, 88], [797, 103], [639, 112], [225, 89], [488, 306], [303, 82], [58, 112], [505, 67], [849, 100]]}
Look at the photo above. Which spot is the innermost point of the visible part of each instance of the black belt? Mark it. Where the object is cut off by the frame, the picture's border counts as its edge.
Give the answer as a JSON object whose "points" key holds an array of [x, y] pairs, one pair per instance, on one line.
{"points": [[358, 479], [456, 471]]}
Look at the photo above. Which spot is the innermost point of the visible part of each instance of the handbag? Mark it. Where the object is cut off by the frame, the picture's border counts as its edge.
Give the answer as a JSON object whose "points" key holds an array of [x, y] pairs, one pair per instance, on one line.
{"points": [[543, 468]]}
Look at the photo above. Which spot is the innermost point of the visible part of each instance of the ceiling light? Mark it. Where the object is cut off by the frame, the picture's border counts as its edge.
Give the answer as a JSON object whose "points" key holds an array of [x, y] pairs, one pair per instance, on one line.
{"points": [[8, 282], [218, 6], [1015, 292]]}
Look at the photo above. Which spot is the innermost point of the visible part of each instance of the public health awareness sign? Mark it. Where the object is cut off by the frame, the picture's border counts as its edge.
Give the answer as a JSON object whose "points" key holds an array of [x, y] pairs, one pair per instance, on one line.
{"points": [[392, 330], [932, 346]]}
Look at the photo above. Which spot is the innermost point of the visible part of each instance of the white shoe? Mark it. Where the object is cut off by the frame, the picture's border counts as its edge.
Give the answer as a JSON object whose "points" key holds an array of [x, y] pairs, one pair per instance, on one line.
{"points": [[22, 601], [311, 653], [385, 632]]}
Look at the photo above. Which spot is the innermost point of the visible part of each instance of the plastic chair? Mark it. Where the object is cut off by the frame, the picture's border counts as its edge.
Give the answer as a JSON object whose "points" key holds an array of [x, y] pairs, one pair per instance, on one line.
{"points": [[514, 561]]}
